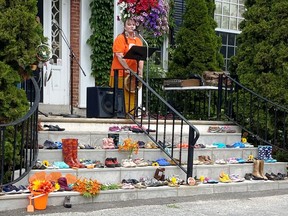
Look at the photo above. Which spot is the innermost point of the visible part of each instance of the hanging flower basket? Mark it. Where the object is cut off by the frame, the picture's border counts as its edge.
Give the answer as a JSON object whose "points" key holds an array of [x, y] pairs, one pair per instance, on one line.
{"points": [[152, 15]]}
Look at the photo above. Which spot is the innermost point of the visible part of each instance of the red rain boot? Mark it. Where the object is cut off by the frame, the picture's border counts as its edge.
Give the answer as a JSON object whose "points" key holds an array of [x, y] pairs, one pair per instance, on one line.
{"points": [[74, 143], [67, 153]]}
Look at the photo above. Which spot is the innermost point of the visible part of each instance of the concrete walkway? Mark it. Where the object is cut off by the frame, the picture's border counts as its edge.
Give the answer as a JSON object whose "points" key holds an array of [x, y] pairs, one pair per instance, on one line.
{"points": [[270, 203]]}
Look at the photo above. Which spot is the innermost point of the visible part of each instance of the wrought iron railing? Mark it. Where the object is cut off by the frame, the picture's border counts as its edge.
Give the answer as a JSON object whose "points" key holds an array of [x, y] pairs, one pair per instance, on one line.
{"points": [[265, 121], [164, 125], [19, 140]]}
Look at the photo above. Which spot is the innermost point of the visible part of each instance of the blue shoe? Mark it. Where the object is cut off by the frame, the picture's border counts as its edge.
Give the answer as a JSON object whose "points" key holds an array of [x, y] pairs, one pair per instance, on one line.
{"points": [[162, 162]]}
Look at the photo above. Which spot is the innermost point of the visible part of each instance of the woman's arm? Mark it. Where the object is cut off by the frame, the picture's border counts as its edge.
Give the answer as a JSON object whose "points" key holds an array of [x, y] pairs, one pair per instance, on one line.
{"points": [[140, 68]]}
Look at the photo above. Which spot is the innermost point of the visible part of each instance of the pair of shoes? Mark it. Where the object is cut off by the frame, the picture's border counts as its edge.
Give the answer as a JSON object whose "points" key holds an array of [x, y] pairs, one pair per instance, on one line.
{"points": [[141, 144], [108, 143], [98, 164], [81, 146], [39, 165], [151, 145], [61, 165], [127, 163], [220, 161], [205, 159], [199, 146], [236, 178], [112, 162], [11, 189], [182, 145], [210, 181], [127, 186], [162, 162], [130, 181], [224, 178], [54, 128], [232, 161], [140, 185], [50, 145], [114, 129], [140, 162]]}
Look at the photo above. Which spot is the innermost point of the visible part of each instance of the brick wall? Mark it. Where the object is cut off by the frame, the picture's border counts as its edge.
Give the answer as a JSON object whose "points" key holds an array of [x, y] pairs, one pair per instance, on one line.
{"points": [[75, 45]]}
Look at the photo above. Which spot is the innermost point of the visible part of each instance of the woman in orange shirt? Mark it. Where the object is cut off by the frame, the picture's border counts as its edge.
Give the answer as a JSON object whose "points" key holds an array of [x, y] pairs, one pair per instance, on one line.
{"points": [[121, 46]]}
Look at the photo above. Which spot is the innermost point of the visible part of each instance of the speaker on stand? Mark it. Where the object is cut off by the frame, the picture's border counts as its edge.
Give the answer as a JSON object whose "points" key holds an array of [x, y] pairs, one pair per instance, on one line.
{"points": [[100, 103]]}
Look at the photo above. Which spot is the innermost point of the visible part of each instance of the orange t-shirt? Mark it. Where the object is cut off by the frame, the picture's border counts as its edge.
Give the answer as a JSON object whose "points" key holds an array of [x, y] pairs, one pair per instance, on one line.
{"points": [[120, 46]]}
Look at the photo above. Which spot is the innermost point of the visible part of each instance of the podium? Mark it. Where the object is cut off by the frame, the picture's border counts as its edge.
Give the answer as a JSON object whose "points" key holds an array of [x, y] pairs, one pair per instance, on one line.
{"points": [[139, 53]]}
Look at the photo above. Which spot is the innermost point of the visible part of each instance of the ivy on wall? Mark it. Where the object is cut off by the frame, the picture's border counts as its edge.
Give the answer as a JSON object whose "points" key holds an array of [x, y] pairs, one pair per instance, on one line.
{"points": [[101, 40]]}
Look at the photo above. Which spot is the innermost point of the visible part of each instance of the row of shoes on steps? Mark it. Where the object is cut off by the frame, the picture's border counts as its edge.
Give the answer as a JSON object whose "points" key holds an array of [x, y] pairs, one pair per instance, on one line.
{"points": [[133, 128], [258, 172], [203, 159]]}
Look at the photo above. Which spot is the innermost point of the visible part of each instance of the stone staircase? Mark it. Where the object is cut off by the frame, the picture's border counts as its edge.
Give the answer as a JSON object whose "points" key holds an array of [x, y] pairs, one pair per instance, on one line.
{"points": [[92, 131]]}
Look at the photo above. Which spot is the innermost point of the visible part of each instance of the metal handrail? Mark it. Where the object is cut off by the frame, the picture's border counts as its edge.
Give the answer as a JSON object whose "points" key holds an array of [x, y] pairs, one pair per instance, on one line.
{"points": [[265, 121], [23, 136], [172, 129]]}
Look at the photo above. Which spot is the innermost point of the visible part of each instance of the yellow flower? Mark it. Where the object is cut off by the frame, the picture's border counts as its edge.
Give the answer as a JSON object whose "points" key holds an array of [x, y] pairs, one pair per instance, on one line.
{"points": [[243, 140], [56, 186], [45, 163], [155, 164], [36, 185]]}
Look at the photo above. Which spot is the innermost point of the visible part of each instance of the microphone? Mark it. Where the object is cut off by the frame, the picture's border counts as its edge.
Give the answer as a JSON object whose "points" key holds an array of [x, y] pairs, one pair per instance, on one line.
{"points": [[136, 30]]}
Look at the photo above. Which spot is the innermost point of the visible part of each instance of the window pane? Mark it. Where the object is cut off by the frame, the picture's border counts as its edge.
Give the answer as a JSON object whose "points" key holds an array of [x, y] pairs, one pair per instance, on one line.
{"points": [[233, 23], [218, 20], [223, 51], [225, 23], [241, 11], [231, 39], [230, 51], [233, 10], [238, 22], [218, 9], [225, 9], [241, 2], [224, 38], [234, 1]]}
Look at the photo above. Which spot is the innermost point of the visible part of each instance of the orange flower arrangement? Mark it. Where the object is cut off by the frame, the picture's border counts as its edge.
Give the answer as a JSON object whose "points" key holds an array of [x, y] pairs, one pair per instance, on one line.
{"points": [[41, 186], [130, 146], [87, 187]]}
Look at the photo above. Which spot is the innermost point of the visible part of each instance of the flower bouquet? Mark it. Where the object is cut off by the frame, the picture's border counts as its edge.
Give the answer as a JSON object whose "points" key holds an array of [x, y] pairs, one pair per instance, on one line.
{"points": [[129, 146], [152, 15], [41, 186], [87, 187]]}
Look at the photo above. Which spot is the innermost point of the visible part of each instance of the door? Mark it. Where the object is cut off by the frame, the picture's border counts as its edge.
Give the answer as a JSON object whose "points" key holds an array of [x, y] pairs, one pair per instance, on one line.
{"points": [[56, 72]]}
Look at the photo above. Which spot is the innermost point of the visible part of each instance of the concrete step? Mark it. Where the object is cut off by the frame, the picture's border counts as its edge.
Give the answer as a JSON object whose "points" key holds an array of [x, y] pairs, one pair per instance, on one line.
{"points": [[20, 201]]}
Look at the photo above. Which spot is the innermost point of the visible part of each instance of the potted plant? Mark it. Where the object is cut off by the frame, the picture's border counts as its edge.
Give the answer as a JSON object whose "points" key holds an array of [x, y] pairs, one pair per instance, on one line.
{"points": [[40, 188]]}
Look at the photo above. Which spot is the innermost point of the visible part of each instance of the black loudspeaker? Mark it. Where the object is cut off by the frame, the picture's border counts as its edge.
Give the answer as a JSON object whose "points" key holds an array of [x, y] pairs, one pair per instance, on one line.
{"points": [[100, 103]]}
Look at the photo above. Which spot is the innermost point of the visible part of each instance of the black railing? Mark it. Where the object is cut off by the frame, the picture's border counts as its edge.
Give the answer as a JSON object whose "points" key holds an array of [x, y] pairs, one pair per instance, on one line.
{"points": [[19, 140], [164, 125], [265, 121]]}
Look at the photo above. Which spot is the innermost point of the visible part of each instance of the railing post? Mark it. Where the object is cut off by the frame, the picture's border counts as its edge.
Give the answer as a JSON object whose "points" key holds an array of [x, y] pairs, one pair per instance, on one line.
{"points": [[220, 96], [190, 153]]}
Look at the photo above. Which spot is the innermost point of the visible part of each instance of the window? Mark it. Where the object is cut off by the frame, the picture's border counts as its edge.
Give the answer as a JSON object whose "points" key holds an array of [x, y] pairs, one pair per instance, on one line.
{"points": [[228, 48], [228, 14]]}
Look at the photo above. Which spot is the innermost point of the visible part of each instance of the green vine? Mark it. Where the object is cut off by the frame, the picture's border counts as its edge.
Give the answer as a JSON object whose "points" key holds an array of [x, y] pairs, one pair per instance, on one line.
{"points": [[101, 40]]}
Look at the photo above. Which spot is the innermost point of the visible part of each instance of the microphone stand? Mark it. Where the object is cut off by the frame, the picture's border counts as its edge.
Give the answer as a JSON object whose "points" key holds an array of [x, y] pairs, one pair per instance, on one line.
{"points": [[72, 58], [147, 72]]}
